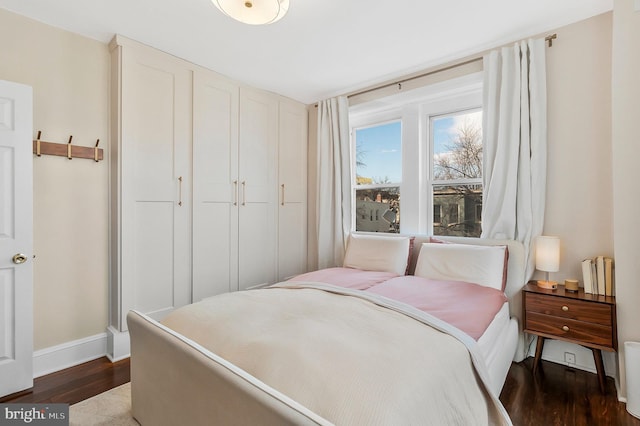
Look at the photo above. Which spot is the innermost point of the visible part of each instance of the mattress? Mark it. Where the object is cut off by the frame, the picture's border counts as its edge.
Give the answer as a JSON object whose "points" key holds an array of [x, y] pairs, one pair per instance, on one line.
{"points": [[489, 342]]}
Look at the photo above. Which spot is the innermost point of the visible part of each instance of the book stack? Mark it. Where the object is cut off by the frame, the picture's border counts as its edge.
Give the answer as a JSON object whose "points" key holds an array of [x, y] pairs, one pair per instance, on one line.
{"points": [[598, 276]]}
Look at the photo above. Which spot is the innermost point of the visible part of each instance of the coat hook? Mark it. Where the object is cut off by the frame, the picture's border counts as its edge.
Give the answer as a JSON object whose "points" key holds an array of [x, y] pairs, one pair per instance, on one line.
{"points": [[95, 151], [38, 153], [69, 148]]}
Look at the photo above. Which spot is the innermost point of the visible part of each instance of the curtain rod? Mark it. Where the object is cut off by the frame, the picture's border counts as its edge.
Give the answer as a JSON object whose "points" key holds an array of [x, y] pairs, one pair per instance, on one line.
{"points": [[415, 77], [549, 39]]}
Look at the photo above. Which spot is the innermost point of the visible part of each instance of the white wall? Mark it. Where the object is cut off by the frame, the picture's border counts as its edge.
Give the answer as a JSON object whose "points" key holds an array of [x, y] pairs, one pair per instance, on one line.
{"points": [[69, 76], [626, 173]]}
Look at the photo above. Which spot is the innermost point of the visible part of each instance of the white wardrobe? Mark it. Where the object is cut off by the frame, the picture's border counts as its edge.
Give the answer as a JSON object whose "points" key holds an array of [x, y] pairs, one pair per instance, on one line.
{"points": [[208, 184]]}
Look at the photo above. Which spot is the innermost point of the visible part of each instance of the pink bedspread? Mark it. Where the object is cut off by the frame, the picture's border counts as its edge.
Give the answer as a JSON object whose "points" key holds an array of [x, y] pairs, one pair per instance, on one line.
{"points": [[346, 277], [469, 307]]}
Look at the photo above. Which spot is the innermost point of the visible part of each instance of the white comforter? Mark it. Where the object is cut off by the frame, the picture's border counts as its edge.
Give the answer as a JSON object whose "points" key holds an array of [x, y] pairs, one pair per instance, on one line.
{"points": [[352, 358]]}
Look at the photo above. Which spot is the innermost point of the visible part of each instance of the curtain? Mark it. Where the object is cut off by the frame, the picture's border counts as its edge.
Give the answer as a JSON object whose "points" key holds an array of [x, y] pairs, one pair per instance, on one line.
{"points": [[334, 181], [515, 144]]}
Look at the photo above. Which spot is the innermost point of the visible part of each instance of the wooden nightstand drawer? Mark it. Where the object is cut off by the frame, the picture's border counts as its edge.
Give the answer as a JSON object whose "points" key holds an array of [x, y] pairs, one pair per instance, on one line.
{"points": [[585, 332], [576, 317], [568, 308]]}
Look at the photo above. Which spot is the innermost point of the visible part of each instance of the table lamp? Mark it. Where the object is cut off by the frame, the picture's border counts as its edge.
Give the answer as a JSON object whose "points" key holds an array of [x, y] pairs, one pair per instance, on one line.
{"points": [[547, 259]]}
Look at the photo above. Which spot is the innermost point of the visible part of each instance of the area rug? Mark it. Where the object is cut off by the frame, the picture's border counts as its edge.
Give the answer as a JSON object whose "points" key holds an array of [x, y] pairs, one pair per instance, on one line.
{"points": [[112, 407]]}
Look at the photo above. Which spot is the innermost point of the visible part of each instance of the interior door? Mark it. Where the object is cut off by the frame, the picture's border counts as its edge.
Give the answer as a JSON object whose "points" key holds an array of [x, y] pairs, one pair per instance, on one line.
{"points": [[16, 238]]}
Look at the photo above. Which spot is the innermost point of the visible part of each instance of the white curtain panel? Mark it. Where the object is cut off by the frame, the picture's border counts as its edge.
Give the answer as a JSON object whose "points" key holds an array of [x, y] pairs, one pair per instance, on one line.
{"points": [[334, 181], [515, 144]]}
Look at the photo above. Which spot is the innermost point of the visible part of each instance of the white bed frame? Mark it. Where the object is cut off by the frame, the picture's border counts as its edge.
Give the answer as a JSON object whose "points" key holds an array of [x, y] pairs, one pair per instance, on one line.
{"points": [[168, 370]]}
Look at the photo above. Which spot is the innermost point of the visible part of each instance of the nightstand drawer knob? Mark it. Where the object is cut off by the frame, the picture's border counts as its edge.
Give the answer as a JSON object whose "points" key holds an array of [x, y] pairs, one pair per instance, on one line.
{"points": [[565, 328], [565, 308]]}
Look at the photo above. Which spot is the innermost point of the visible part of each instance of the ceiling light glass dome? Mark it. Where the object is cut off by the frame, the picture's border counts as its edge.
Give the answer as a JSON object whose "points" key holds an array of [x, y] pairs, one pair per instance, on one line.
{"points": [[253, 12]]}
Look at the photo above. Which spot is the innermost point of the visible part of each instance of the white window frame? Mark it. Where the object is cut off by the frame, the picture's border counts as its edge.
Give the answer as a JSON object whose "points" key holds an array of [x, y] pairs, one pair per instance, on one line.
{"points": [[414, 110]]}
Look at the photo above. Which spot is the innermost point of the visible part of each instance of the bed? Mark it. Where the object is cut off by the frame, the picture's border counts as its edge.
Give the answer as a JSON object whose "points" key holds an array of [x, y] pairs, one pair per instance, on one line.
{"points": [[318, 349]]}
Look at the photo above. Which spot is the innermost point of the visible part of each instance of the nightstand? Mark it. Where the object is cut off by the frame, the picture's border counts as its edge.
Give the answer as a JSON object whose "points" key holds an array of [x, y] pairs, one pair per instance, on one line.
{"points": [[586, 319]]}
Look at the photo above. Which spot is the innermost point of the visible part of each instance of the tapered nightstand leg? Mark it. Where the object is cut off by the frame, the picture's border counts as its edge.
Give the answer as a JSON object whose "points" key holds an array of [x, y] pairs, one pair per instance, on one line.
{"points": [[539, 347], [597, 357]]}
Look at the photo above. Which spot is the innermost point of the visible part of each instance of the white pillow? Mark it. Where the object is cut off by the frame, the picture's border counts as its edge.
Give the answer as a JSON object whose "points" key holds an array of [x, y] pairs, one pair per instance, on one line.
{"points": [[483, 265], [377, 253]]}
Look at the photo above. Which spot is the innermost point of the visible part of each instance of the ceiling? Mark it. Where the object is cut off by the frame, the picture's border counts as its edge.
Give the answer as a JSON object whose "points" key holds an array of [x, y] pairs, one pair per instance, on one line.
{"points": [[321, 48]]}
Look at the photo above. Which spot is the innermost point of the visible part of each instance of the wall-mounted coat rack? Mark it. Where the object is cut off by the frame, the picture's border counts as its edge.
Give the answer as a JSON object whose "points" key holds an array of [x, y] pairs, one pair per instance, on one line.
{"points": [[67, 150]]}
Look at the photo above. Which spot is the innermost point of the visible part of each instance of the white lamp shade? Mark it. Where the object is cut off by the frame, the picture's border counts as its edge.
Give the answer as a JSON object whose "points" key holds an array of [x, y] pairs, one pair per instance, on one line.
{"points": [[254, 12], [548, 253]]}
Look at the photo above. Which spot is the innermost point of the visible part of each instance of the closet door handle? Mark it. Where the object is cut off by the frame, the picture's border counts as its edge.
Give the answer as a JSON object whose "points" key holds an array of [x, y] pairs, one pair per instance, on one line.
{"points": [[244, 192], [235, 192], [180, 191], [282, 203]]}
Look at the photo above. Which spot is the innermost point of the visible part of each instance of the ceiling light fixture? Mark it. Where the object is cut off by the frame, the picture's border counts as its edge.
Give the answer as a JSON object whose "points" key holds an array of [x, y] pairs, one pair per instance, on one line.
{"points": [[253, 12]]}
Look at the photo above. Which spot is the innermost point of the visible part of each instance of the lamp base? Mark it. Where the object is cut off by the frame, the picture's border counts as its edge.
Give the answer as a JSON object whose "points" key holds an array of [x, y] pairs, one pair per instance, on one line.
{"points": [[549, 285]]}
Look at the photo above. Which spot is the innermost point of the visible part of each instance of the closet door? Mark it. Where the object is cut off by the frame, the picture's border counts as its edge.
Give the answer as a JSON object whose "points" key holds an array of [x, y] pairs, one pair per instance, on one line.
{"points": [[257, 261], [292, 204], [215, 185], [154, 154]]}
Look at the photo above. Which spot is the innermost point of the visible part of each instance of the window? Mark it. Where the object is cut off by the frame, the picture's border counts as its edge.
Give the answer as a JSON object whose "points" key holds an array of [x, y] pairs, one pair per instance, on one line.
{"points": [[437, 213], [425, 144], [453, 213], [378, 165], [456, 141]]}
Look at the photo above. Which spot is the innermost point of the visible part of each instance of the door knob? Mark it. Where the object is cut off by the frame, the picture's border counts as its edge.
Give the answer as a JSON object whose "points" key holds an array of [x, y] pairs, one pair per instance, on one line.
{"points": [[19, 258]]}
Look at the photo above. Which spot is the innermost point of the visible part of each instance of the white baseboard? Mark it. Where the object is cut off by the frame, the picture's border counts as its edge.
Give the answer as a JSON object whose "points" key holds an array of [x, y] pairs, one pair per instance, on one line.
{"points": [[59, 357], [113, 344], [118, 344]]}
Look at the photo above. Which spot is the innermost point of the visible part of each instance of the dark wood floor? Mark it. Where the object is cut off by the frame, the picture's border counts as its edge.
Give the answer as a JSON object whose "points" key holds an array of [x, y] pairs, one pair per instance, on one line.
{"points": [[75, 384], [560, 395], [557, 396]]}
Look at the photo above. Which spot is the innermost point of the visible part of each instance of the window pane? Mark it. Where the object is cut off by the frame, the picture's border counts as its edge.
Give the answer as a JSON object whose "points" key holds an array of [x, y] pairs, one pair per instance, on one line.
{"points": [[457, 146], [437, 213], [459, 206], [379, 154], [378, 210], [453, 213]]}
